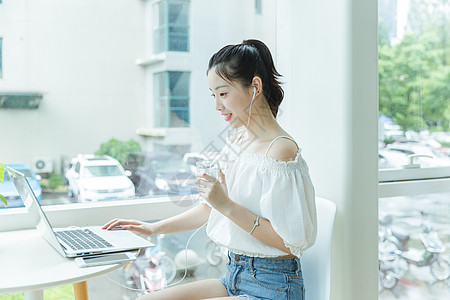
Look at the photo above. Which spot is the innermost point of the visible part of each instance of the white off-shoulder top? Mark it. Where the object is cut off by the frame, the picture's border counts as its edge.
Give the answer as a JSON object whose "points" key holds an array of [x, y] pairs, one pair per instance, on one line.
{"points": [[279, 191]]}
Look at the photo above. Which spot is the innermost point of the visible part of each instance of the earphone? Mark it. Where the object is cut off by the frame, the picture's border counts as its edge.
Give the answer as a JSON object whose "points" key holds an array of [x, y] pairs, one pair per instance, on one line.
{"points": [[250, 109]]}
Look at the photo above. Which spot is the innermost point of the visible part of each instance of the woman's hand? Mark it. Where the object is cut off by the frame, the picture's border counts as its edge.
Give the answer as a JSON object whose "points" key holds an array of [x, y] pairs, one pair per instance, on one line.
{"points": [[131, 225], [212, 190]]}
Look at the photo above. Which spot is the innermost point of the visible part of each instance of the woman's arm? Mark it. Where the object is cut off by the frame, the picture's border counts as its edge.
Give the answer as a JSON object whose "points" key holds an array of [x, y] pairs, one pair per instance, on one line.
{"points": [[246, 220], [214, 192], [188, 220]]}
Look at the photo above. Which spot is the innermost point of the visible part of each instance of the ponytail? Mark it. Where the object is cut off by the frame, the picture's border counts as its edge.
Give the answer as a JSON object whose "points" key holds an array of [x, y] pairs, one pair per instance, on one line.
{"points": [[242, 62]]}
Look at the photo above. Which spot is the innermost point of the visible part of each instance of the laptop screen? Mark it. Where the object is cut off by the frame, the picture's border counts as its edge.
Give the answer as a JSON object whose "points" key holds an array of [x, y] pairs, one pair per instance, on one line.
{"points": [[35, 211]]}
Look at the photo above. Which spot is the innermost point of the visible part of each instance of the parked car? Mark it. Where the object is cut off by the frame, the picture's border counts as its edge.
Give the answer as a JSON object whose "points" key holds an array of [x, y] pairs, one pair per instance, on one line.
{"points": [[388, 159], [94, 178], [441, 136], [160, 173], [8, 190]]}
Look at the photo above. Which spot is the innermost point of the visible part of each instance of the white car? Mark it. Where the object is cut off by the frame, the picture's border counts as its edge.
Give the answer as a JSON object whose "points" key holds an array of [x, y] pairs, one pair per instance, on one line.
{"points": [[94, 178]]}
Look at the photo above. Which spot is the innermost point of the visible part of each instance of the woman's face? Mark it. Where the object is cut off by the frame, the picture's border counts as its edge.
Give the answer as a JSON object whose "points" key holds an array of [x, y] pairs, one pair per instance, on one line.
{"points": [[231, 100]]}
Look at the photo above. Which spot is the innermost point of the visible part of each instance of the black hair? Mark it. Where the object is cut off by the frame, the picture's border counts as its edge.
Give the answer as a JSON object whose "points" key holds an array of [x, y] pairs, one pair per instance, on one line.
{"points": [[242, 62]]}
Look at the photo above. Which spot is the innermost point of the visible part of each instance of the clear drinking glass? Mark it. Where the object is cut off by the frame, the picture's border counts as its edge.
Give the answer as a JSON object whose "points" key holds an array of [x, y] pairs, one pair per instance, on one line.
{"points": [[210, 167]]}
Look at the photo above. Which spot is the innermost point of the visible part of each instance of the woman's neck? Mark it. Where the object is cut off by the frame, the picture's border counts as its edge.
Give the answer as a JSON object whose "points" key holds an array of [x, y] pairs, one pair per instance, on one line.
{"points": [[262, 127]]}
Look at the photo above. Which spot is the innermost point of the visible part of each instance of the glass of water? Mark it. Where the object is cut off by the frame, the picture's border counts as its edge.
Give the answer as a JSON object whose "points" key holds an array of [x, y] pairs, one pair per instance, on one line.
{"points": [[210, 167]]}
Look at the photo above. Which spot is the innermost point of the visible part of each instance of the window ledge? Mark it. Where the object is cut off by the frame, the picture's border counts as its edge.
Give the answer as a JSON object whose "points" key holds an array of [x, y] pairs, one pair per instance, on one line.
{"points": [[413, 187], [396, 175], [152, 60], [152, 132]]}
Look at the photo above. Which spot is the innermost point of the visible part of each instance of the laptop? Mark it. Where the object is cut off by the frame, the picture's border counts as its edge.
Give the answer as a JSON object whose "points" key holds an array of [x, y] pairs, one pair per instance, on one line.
{"points": [[75, 241]]}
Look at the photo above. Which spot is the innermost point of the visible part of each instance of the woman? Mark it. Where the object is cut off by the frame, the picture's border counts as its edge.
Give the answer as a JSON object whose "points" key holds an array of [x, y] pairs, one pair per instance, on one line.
{"points": [[262, 208]]}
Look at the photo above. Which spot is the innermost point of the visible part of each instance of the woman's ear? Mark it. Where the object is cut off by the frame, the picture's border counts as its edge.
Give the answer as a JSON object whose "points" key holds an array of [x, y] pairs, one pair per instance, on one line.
{"points": [[257, 84]]}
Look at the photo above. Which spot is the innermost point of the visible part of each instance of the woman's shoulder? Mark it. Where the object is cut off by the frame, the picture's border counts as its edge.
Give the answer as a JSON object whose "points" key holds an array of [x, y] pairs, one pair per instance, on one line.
{"points": [[282, 148]]}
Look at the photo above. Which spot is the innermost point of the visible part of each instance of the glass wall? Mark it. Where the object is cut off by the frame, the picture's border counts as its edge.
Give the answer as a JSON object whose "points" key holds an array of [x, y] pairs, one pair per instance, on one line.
{"points": [[1, 57], [74, 97], [109, 104], [414, 149]]}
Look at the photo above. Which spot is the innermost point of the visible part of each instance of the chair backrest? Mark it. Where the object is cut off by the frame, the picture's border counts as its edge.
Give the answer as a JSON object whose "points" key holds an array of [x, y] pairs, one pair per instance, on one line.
{"points": [[316, 261]]}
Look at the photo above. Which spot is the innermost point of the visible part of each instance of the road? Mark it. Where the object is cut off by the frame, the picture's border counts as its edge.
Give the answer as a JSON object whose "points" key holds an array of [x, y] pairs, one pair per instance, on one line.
{"points": [[54, 198]]}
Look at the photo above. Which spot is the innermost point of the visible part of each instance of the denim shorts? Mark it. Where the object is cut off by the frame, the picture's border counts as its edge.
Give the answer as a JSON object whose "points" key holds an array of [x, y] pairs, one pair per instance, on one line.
{"points": [[264, 278]]}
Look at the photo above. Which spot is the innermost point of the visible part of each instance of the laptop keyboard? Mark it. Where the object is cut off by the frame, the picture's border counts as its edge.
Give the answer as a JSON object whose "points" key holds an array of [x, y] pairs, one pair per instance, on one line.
{"points": [[82, 239]]}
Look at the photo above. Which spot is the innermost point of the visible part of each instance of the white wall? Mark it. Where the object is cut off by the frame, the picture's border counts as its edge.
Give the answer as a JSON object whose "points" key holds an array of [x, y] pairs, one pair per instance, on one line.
{"points": [[331, 109]]}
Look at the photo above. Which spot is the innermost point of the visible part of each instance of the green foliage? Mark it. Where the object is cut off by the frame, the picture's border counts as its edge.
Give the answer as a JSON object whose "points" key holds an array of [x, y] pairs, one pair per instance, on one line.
{"points": [[389, 140], [118, 149], [54, 181], [64, 292], [414, 75]]}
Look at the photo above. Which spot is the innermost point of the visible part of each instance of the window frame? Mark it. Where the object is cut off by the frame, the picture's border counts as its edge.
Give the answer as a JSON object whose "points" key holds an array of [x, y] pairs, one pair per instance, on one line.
{"points": [[410, 182]]}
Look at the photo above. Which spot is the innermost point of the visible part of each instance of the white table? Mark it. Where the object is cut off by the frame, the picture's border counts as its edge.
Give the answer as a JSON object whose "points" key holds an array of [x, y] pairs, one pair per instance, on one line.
{"points": [[29, 264]]}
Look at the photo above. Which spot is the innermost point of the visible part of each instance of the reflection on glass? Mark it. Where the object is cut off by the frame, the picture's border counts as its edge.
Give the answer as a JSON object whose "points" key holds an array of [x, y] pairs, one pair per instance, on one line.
{"points": [[414, 254], [139, 94], [171, 29]]}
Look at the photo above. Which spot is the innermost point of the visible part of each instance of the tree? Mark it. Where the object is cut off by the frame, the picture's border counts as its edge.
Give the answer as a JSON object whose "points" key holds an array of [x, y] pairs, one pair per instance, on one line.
{"points": [[414, 74], [118, 149]]}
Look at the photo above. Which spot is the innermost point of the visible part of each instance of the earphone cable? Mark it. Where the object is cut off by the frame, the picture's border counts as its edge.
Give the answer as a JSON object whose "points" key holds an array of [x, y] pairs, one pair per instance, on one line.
{"points": [[144, 290]]}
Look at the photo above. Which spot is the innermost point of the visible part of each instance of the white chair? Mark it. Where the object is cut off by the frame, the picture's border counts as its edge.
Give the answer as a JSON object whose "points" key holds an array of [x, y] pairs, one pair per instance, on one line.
{"points": [[316, 261]]}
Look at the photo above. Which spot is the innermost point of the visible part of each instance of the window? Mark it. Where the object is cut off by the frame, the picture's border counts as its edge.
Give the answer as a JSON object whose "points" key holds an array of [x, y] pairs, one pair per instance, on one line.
{"points": [[1, 57], [172, 99], [148, 113], [171, 31], [258, 6], [414, 148], [102, 111]]}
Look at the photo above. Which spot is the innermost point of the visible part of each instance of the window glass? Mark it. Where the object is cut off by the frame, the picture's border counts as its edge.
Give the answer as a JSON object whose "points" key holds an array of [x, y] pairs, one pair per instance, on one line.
{"points": [[258, 6], [85, 83], [414, 143], [1, 57], [414, 72], [413, 247], [171, 31], [172, 92], [178, 13], [71, 97]]}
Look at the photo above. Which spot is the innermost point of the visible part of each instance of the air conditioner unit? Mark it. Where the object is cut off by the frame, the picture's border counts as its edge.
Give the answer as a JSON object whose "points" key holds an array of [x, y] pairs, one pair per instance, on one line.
{"points": [[43, 164]]}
